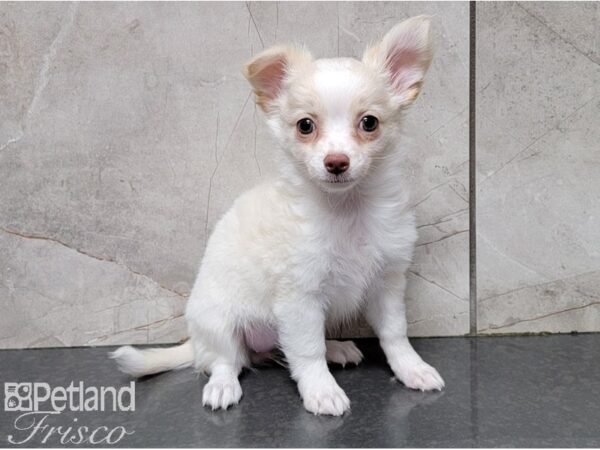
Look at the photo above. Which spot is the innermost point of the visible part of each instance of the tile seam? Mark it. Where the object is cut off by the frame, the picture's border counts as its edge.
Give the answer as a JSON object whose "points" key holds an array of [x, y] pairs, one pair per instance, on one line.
{"points": [[472, 171]]}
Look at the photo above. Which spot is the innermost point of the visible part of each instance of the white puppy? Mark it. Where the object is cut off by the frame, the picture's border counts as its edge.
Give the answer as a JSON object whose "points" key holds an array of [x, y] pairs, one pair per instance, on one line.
{"points": [[331, 236]]}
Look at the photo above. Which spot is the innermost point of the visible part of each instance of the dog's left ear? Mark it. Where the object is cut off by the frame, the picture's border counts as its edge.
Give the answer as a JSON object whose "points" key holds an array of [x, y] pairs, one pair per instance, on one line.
{"points": [[404, 54]]}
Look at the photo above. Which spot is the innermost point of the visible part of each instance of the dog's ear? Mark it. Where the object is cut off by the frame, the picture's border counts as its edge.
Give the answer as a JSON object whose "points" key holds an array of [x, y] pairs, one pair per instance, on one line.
{"points": [[404, 54], [268, 70]]}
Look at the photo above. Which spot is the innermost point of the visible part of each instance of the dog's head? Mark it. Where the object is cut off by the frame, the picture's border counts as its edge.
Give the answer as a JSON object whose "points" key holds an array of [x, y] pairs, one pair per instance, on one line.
{"points": [[336, 116]]}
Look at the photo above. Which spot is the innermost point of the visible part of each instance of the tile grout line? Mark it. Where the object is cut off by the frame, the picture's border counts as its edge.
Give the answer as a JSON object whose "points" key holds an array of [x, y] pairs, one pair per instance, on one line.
{"points": [[472, 161]]}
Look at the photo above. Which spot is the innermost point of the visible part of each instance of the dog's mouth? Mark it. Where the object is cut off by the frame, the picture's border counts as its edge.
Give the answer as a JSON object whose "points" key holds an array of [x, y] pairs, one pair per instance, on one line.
{"points": [[337, 182]]}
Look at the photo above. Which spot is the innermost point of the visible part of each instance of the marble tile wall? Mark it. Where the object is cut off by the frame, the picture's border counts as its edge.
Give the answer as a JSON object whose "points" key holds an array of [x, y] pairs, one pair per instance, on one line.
{"points": [[538, 167], [127, 129]]}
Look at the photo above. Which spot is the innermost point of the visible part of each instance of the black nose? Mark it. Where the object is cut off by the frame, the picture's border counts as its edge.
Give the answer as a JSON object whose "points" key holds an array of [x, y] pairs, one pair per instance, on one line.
{"points": [[336, 164]]}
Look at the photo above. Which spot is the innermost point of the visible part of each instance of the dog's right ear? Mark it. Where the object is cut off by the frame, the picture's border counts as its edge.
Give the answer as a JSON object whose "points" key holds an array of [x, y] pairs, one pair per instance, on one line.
{"points": [[268, 70]]}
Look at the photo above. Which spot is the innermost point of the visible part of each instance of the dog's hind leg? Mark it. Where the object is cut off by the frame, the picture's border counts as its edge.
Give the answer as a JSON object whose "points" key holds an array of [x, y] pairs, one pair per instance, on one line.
{"points": [[342, 352]]}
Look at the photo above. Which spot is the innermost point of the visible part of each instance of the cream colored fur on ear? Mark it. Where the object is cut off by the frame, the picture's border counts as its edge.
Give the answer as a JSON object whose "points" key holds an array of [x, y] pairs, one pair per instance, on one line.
{"points": [[404, 54], [267, 71]]}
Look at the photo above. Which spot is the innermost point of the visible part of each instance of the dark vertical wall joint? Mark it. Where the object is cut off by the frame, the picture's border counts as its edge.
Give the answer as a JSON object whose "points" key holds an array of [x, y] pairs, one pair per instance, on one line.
{"points": [[472, 185]]}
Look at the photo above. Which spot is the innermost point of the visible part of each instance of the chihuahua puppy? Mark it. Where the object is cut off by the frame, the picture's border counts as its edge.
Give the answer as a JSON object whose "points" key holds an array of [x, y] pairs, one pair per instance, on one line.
{"points": [[330, 237]]}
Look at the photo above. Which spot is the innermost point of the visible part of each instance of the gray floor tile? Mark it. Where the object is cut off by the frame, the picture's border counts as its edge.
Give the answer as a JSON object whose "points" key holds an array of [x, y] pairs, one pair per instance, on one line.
{"points": [[501, 391]]}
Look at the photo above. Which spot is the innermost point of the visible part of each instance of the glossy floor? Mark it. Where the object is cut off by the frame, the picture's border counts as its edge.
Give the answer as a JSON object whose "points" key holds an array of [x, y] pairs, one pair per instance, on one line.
{"points": [[501, 391]]}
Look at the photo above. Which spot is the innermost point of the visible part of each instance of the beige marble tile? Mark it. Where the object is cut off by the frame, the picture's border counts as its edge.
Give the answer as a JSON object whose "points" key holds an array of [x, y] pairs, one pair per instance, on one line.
{"points": [[53, 295], [127, 130], [538, 208]]}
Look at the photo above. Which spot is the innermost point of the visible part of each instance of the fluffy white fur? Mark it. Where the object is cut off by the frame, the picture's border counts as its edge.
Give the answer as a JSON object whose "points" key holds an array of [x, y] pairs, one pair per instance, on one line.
{"points": [[311, 249]]}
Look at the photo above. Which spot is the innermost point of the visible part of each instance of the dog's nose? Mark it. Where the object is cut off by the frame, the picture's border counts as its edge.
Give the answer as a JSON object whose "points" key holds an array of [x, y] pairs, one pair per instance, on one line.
{"points": [[336, 164]]}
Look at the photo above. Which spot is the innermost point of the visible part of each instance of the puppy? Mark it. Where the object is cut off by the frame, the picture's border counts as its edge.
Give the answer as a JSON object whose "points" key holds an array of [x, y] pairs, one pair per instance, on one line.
{"points": [[330, 237]]}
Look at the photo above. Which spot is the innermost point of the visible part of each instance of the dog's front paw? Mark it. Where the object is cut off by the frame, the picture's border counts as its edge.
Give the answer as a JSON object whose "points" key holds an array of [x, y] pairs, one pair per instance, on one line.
{"points": [[221, 393], [343, 352], [326, 399], [421, 376]]}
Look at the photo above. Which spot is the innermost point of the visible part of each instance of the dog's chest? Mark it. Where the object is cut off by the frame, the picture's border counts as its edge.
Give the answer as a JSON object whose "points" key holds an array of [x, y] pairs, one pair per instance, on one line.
{"points": [[345, 259], [353, 263]]}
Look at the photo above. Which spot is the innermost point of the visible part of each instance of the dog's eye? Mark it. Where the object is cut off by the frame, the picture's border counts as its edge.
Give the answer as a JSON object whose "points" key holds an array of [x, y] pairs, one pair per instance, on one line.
{"points": [[369, 123], [305, 126]]}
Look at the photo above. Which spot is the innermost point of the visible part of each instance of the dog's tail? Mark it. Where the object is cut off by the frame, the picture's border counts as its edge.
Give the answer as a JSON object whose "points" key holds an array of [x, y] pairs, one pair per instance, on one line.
{"points": [[153, 360]]}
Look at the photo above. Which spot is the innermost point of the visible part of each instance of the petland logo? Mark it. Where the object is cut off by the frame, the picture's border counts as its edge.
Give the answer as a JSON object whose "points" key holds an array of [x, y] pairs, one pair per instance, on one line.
{"points": [[39, 403]]}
